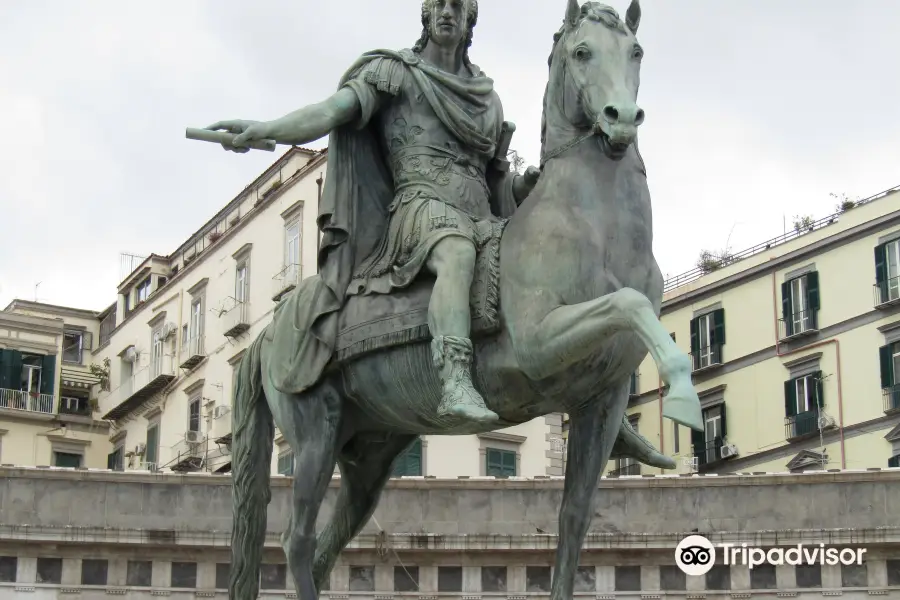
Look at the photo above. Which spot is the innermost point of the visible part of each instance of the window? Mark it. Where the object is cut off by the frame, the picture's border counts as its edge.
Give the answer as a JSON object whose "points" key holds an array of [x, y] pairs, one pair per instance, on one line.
{"points": [[628, 579], [762, 577], [449, 579], [409, 462], [493, 579], [537, 579], [242, 282], [142, 292], [586, 579], [273, 577], [894, 462], [194, 414], [74, 344], [8, 567], [809, 576], [94, 571], [633, 389], [32, 377], [893, 572], [184, 575], [151, 454], [223, 574], [803, 397], [500, 463], [107, 325], [115, 460], [719, 578], [139, 573], [672, 578], [286, 463], [708, 443], [49, 570], [292, 251], [406, 579], [887, 271], [362, 579], [854, 576], [196, 319], [889, 358], [800, 304], [707, 338], [676, 438], [157, 350], [67, 459]]}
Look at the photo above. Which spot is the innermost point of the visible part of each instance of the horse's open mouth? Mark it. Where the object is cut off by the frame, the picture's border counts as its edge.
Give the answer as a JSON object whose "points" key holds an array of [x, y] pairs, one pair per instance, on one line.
{"points": [[614, 151]]}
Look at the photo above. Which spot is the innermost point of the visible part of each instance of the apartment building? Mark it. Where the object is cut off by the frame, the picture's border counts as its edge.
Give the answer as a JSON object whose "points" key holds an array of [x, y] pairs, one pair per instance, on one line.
{"points": [[48, 414], [796, 350]]}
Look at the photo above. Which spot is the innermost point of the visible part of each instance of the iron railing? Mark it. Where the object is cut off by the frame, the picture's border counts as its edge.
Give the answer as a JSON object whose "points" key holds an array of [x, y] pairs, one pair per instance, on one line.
{"points": [[891, 398], [887, 292], [801, 424], [27, 401], [709, 356], [710, 452], [799, 323], [286, 280], [629, 469], [237, 319], [75, 406], [697, 272]]}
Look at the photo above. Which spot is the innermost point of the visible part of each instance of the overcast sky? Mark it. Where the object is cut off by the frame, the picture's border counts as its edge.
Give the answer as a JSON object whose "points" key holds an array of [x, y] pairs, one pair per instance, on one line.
{"points": [[756, 111]]}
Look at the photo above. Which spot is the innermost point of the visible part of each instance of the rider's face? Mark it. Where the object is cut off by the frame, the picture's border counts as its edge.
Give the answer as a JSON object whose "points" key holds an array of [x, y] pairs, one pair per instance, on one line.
{"points": [[448, 21]]}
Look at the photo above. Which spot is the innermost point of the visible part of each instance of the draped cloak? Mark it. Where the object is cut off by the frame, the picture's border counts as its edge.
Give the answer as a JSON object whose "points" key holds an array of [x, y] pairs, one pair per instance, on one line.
{"points": [[353, 213]]}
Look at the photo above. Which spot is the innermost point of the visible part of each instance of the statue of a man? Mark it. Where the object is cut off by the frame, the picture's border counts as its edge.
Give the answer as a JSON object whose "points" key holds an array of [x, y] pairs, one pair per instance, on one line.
{"points": [[412, 185]]}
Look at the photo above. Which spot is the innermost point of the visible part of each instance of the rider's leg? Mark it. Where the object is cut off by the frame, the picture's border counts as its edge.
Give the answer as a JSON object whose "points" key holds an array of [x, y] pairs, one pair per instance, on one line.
{"points": [[452, 261]]}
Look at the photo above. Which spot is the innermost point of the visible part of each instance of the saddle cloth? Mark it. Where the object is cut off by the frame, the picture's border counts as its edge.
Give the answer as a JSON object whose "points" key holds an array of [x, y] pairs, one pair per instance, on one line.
{"points": [[369, 323]]}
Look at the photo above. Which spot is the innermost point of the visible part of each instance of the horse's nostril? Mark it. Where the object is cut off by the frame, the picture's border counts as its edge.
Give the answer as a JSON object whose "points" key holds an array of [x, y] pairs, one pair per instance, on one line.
{"points": [[610, 113], [639, 117]]}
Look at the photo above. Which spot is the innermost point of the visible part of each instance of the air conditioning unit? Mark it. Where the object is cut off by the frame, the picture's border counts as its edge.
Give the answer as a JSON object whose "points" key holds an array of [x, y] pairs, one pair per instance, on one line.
{"points": [[691, 463], [729, 450], [140, 449], [826, 421], [168, 330], [193, 437], [131, 354], [220, 411]]}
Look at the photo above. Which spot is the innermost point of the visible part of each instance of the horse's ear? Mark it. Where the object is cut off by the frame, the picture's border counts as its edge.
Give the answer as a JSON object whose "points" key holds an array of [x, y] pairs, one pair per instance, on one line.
{"points": [[573, 12], [633, 16]]}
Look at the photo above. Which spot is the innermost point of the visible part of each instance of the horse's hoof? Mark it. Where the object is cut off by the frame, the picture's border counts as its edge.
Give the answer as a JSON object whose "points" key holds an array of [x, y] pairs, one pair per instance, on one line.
{"points": [[682, 405]]}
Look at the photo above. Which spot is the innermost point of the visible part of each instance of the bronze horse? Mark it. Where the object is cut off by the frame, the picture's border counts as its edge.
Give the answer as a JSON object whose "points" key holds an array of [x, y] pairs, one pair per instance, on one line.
{"points": [[581, 294]]}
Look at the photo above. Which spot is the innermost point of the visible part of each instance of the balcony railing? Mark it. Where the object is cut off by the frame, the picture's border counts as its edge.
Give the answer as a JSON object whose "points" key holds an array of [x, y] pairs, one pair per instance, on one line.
{"points": [[27, 401], [801, 425], [630, 469], [710, 452], [891, 398], [887, 292], [286, 280], [146, 382], [75, 406], [705, 358], [798, 324], [237, 319], [194, 352], [190, 453]]}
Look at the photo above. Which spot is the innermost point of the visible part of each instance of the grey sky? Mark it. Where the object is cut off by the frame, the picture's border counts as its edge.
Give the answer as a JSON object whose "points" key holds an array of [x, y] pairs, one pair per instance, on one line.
{"points": [[756, 110]]}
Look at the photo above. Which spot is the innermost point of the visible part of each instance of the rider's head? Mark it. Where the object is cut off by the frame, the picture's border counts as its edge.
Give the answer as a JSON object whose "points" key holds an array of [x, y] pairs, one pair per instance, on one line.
{"points": [[448, 23]]}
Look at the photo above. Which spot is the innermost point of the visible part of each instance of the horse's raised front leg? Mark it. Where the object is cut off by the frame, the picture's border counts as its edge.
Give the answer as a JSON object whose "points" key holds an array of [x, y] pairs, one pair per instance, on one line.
{"points": [[365, 468], [592, 433], [569, 334]]}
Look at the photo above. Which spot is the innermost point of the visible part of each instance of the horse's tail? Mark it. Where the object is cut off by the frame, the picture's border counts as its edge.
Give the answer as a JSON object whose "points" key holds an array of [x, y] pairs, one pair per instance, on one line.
{"points": [[253, 433]]}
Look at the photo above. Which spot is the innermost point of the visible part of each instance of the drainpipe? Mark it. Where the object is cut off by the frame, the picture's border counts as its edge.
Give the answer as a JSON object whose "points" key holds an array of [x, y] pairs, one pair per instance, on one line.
{"points": [[837, 349]]}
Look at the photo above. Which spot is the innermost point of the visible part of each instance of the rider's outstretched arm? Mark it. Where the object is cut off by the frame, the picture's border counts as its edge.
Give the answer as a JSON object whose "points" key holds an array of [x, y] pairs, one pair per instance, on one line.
{"points": [[316, 120]]}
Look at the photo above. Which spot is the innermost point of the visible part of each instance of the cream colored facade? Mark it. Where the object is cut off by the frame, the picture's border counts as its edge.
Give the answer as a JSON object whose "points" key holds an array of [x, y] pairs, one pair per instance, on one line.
{"points": [[47, 407], [805, 369]]}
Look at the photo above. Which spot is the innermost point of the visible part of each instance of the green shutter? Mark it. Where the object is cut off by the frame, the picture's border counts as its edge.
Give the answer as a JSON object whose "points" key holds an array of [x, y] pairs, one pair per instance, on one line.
{"points": [[894, 462], [409, 462], [698, 441], [48, 374], [14, 369], [887, 366], [787, 310], [880, 263], [4, 372], [812, 290], [790, 398], [724, 421], [719, 326], [819, 389], [151, 454], [509, 464], [695, 335]]}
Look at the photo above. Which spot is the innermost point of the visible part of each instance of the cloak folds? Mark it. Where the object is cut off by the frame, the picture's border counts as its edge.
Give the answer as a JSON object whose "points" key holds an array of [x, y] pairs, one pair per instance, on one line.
{"points": [[353, 214]]}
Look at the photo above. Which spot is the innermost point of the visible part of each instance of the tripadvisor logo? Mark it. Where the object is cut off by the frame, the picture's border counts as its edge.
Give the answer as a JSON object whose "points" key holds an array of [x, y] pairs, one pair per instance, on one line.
{"points": [[696, 555]]}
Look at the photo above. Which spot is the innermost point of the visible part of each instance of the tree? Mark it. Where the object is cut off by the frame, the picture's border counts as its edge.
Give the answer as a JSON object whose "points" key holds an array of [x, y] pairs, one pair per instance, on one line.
{"points": [[517, 163]]}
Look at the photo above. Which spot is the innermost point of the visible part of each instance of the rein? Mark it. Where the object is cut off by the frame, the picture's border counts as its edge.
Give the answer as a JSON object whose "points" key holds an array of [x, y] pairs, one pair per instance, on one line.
{"points": [[566, 147]]}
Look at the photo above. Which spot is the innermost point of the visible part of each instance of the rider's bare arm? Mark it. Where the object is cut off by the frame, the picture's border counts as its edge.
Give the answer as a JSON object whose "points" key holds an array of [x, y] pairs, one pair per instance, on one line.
{"points": [[316, 120]]}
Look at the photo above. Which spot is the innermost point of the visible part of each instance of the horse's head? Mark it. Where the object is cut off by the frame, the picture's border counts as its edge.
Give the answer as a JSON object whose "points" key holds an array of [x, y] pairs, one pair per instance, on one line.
{"points": [[595, 73]]}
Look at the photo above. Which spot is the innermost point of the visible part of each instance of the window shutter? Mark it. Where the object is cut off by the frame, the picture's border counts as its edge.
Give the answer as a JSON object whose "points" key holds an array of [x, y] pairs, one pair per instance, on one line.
{"points": [[887, 366], [87, 341], [14, 369], [698, 440], [724, 421], [4, 370], [790, 398], [787, 311], [894, 462], [695, 342], [48, 374], [880, 263], [111, 461], [812, 290], [719, 326], [819, 389]]}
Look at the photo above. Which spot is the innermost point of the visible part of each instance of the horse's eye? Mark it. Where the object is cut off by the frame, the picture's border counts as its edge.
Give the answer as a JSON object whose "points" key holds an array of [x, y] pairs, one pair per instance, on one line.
{"points": [[582, 53]]}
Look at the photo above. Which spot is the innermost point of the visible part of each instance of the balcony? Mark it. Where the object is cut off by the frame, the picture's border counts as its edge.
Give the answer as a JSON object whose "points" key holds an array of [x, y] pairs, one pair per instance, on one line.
{"points": [[148, 381], [80, 407], [27, 401], [237, 319], [802, 425], [887, 292], [798, 325], [193, 352], [286, 280], [709, 453], [707, 358], [190, 453], [891, 398], [630, 469]]}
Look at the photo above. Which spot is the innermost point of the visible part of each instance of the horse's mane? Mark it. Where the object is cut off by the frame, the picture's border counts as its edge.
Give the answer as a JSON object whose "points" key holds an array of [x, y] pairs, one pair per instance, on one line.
{"points": [[590, 11]]}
